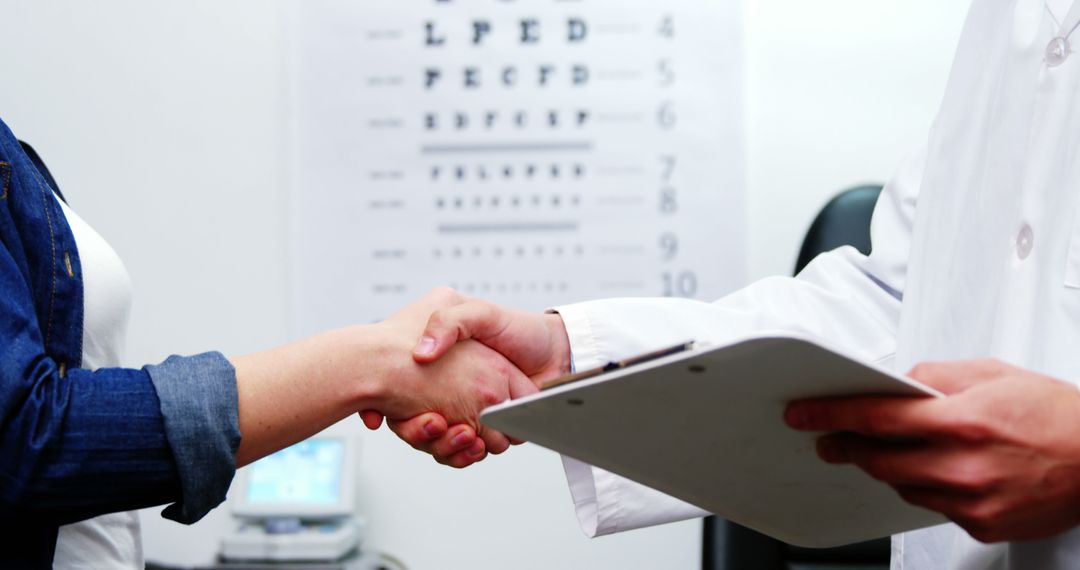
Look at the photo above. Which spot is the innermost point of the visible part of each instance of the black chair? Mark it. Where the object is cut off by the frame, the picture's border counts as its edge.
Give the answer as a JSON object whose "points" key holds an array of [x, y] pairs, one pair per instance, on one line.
{"points": [[845, 220]]}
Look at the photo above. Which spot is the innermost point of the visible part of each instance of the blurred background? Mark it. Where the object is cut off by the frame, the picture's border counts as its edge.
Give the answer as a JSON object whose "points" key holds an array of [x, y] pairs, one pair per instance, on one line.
{"points": [[166, 125]]}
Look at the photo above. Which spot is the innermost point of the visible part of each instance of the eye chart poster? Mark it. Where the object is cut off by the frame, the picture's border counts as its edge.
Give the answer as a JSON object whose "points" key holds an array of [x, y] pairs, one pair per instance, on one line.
{"points": [[532, 152]]}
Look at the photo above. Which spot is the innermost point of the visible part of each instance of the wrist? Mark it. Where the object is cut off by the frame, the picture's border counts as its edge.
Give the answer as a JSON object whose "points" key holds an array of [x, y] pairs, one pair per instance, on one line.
{"points": [[369, 356], [291, 392], [562, 356], [385, 376]]}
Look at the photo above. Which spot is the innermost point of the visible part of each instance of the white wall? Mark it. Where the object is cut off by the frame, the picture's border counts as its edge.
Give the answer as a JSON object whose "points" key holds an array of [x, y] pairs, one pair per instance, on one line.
{"points": [[838, 92], [162, 122]]}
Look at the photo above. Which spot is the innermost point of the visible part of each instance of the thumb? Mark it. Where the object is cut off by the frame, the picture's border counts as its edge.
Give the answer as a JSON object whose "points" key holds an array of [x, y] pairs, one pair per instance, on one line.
{"points": [[447, 327], [521, 385], [372, 419]]}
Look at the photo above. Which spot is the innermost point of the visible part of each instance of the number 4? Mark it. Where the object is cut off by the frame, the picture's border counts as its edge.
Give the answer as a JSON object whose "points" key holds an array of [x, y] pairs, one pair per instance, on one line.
{"points": [[667, 26]]}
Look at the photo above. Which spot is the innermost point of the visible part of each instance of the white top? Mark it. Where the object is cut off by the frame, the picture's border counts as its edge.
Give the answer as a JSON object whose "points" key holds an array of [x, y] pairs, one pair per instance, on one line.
{"points": [[990, 268], [108, 542]]}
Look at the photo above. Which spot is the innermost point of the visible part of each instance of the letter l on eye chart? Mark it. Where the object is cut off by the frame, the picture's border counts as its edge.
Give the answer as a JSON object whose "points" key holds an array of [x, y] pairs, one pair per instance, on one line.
{"points": [[532, 152]]}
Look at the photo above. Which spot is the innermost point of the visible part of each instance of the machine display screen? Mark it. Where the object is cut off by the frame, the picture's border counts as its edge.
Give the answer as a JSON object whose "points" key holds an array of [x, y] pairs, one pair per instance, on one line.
{"points": [[308, 473]]}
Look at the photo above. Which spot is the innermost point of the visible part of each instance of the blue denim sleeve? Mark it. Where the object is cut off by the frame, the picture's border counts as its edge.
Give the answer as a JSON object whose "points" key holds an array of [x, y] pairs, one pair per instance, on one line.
{"points": [[93, 442], [199, 404]]}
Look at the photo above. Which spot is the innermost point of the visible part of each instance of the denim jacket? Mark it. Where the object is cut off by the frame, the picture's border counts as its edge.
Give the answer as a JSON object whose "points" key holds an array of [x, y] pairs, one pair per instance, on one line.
{"points": [[76, 443]]}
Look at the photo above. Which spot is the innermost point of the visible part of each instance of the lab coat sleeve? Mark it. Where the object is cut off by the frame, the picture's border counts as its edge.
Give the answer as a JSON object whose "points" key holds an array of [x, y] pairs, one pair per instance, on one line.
{"points": [[843, 298]]}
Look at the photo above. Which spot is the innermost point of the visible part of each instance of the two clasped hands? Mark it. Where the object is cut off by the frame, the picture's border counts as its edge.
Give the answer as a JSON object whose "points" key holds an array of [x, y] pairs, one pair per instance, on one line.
{"points": [[999, 455]]}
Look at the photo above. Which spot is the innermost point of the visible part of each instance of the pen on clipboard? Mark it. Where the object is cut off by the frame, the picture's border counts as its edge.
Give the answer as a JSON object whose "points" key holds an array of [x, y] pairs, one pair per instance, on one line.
{"points": [[617, 365]]}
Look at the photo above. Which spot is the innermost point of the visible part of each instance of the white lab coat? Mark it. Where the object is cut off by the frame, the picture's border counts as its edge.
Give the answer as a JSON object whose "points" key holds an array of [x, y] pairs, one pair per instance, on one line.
{"points": [[976, 253]]}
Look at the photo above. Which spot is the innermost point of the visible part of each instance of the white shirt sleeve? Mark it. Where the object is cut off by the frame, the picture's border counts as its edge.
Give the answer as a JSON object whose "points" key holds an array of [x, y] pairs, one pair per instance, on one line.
{"points": [[842, 298]]}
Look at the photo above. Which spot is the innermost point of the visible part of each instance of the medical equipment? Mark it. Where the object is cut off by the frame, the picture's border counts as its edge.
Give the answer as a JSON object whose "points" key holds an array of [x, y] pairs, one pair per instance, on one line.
{"points": [[296, 505]]}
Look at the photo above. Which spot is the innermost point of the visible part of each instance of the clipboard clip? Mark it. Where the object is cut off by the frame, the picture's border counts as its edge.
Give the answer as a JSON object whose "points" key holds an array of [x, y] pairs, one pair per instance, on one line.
{"points": [[618, 365]]}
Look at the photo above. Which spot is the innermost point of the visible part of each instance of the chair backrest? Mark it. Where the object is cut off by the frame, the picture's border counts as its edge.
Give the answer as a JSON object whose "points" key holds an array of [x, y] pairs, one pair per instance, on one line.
{"points": [[845, 220]]}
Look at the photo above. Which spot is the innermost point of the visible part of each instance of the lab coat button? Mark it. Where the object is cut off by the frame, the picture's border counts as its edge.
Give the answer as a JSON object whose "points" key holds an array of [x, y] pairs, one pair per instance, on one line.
{"points": [[1025, 240], [1057, 51]]}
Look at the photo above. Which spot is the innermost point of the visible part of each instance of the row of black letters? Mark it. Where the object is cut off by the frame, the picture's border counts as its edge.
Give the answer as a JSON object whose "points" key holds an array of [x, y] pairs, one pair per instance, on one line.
{"points": [[495, 202], [517, 251], [462, 121], [525, 31], [529, 171], [474, 77]]}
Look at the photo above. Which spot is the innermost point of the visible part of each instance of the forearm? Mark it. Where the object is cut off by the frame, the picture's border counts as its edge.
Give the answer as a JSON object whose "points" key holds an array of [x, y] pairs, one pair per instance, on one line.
{"points": [[833, 300], [292, 392], [69, 423]]}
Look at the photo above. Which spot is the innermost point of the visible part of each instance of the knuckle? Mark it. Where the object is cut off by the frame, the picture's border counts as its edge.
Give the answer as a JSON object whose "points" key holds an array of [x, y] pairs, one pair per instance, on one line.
{"points": [[417, 436], [437, 320], [503, 369], [444, 293], [968, 476], [979, 516], [488, 395], [970, 428], [485, 312], [489, 310], [413, 434], [969, 482]]}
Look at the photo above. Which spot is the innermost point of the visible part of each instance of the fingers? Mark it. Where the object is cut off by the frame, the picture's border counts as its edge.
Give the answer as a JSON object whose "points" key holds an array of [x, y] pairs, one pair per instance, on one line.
{"points": [[952, 480], [457, 446], [372, 419], [420, 430], [946, 467], [459, 438], [430, 434], [448, 326], [463, 459], [956, 376], [887, 417], [898, 417], [495, 442]]}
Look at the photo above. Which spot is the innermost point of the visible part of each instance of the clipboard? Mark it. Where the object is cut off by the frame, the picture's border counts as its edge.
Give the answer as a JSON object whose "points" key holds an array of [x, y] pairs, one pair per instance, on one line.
{"points": [[705, 425]]}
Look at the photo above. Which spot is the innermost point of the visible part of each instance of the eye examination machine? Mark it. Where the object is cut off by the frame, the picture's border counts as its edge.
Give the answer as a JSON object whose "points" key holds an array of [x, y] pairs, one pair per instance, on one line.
{"points": [[297, 509]]}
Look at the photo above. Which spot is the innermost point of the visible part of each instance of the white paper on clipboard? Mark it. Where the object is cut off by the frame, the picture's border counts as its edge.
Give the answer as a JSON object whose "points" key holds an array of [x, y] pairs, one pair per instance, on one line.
{"points": [[706, 426]]}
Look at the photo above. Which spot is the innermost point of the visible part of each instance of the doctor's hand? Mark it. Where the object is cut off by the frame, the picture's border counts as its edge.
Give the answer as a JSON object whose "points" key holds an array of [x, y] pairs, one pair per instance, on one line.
{"points": [[466, 378], [535, 343], [999, 455]]}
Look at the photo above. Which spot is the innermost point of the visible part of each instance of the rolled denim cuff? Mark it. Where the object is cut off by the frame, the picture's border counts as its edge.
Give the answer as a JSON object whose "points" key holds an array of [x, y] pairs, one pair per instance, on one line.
{"points": [[202, 423]]}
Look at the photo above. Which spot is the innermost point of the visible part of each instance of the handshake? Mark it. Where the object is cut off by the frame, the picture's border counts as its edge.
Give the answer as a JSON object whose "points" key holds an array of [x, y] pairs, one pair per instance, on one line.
{"points": [[464, 355]]}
